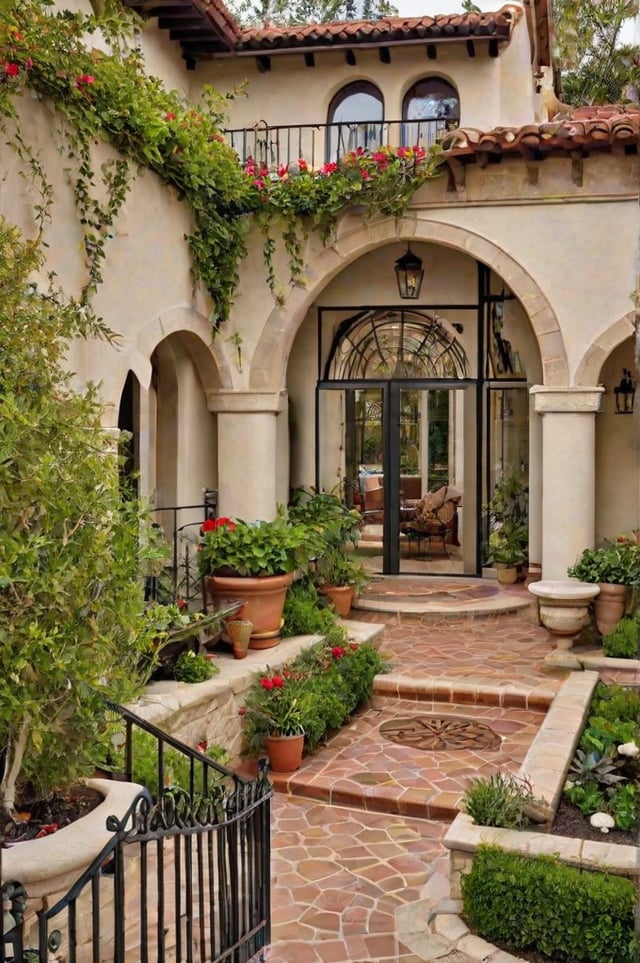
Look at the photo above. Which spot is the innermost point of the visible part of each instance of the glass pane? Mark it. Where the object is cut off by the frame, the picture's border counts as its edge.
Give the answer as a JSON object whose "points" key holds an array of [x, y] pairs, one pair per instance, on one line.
{"points": [[356, 122], [508, 456], [437, 478]]}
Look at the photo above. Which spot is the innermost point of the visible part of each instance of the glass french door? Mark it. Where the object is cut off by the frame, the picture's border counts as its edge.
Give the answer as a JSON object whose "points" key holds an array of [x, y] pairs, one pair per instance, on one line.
{"points": [[389, 444]]}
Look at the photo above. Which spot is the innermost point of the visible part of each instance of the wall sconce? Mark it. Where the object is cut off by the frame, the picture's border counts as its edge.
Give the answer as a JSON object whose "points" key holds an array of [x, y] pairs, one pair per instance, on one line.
{"points": [[409, 274], [625, 394]]}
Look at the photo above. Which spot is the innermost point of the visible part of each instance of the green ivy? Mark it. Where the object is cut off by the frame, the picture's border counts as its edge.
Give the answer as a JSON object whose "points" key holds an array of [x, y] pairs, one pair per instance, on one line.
{"points": [[109, 97]]}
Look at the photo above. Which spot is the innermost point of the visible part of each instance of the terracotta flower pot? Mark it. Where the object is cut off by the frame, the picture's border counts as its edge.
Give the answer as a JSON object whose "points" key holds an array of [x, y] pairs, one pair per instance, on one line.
{"points": [[506, 574], [285, 752], [609, 606], [239, 631], [265, 597], [340, 596]]}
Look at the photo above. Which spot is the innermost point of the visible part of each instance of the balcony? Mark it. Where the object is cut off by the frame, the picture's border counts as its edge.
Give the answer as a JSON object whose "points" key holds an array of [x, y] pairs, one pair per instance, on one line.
{"points": [[323, 143]]}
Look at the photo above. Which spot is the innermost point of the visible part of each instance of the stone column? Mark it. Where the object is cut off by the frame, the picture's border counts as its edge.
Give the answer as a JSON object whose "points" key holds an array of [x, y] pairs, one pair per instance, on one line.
{"points": [[568, 474], [247, 451]]}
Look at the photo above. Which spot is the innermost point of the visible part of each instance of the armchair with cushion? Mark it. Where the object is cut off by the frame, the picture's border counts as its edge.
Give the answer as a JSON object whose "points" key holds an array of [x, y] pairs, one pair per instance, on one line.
{"points": [[436, 516]]}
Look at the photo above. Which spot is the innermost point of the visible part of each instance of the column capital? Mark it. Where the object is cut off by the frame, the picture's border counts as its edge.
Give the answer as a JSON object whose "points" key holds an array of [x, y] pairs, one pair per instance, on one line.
{"points": [[227, 400], [569, 401]]}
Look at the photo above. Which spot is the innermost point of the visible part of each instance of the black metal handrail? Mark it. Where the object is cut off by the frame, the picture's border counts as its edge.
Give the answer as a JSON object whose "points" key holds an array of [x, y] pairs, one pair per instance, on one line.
{"points": [[184, 876], [319, 144], [183, 582]]}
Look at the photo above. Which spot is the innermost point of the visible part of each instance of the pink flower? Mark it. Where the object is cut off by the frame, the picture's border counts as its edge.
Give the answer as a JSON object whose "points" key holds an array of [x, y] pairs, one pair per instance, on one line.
{"points": [[259, 183], [303, 166], [85, 80], [278, 682], [29, 63], [283, 170], [329, 168], [337, 652], [366, 176], [266, 682], [11, 70]]}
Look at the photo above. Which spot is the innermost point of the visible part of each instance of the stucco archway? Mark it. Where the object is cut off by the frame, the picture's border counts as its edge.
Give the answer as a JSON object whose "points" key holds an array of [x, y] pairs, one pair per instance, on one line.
{"points": [[588, 371], [268, 369]]}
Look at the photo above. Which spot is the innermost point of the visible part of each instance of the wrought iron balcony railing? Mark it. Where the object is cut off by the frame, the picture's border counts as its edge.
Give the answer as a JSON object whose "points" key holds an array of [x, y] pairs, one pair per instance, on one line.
{"points": [[323, 143]]}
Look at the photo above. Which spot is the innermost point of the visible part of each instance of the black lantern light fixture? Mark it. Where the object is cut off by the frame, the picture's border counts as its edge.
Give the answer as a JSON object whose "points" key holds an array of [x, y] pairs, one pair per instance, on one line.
{"points": [[625, 394], [409, 274]]}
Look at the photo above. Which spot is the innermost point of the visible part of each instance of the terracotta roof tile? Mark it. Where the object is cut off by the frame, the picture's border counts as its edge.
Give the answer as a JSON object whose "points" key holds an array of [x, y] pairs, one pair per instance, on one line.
{"points": [[497, 25], [586, 127]]}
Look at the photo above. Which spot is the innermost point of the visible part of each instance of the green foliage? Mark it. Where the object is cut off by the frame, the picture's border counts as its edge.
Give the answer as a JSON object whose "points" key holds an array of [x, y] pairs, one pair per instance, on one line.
{"points": [[624, 806], [71, 604], [623, 642], [177, 765], [335, 567], [193, 667], [613, 564], [327, 512], [255, 548], [507, 517], [499, 800], [591, 767], [596, 68], [314, 693], [255, 12], [579, 916], [600, 734], [307, 613], [585, 797]]}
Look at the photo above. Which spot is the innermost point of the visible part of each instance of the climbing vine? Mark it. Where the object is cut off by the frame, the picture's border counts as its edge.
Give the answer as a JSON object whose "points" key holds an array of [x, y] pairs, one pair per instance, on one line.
{"points": [[107, 96]]}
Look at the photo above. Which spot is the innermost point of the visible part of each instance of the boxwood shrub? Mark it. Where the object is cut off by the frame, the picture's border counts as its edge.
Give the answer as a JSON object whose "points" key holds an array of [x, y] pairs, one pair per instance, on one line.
{"points": [[539, 904]]}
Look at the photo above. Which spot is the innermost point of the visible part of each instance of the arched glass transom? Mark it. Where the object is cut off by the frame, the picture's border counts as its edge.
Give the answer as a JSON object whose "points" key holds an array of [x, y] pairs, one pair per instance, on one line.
{"points": [[395, 344], [355, 120]]}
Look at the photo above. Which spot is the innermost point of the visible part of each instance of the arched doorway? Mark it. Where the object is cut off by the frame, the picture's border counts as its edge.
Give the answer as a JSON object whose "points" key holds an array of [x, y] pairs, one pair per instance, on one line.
{"points": [[420, 412]]}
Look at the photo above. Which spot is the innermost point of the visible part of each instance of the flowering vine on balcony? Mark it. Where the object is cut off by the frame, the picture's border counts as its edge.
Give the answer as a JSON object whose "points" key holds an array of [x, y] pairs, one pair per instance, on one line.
{"points": [[109, 97]]}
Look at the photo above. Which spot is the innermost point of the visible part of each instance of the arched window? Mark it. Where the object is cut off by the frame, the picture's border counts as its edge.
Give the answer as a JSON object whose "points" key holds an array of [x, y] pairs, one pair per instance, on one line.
{"points": [[355, 120], [430, 108]]}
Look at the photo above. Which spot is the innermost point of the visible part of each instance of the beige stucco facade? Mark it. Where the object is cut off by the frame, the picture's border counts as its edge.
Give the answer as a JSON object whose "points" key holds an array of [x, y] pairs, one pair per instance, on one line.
{"points": [[560, 235]]}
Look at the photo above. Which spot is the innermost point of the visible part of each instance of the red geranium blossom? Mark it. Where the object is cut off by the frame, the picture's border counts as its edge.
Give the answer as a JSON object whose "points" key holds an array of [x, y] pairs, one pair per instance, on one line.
{"points": [[278, 682], [11, 70], [266, 682], [85, 80], [337, 652], [208, 526]]}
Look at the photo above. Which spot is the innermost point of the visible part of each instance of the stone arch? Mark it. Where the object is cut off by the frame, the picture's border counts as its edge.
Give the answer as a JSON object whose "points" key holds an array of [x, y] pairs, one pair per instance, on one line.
{"points": [[588, 371], [268, 371]]}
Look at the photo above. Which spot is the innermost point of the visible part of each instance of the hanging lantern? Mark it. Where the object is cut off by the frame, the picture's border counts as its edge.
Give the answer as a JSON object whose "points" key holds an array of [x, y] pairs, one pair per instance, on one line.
{"points": [[409, 274]]}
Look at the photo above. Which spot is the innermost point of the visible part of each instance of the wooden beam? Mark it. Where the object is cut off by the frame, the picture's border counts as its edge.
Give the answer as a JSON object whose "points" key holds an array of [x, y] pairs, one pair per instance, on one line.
{"points": [[432, 51], [456, 177], [493, 48], [263, 64], [350, 57], [577, 167], [385, 55], [309, 60], [471, 48]]}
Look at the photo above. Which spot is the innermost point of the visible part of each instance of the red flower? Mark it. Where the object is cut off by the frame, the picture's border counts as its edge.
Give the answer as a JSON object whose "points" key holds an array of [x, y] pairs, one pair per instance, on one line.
{"points": [[278, 682], [353, 646], [202, 745], [181, 603], [16, 36], [303, 166], [84, 80], [259, 183], [242, 711], [225, 522], [266, 682], [170, 116], [337, 652], [283, 170], [29, 63], [11, 70], [208, 526], [47, 830], [329, 168]]}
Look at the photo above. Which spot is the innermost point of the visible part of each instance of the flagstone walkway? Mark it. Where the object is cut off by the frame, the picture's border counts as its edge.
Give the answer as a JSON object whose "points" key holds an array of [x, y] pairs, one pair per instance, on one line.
{"points": [[357, 831]]}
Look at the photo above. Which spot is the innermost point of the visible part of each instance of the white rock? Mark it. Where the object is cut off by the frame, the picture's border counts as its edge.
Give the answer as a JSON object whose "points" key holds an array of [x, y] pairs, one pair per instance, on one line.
{"points": [[602, 821], [629, 749]]}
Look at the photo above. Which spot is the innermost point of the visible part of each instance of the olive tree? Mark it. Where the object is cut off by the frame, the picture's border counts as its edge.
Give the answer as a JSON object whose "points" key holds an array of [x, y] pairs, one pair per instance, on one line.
{"points": [[71, 603]]}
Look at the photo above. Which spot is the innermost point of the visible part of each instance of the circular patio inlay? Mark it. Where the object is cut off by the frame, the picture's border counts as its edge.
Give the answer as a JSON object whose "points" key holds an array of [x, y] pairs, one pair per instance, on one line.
{"points": [[435, 733]]}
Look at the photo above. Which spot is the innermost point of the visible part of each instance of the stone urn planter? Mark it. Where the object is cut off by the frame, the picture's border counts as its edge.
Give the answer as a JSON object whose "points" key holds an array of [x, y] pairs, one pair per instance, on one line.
{"points": [[564, 607]]}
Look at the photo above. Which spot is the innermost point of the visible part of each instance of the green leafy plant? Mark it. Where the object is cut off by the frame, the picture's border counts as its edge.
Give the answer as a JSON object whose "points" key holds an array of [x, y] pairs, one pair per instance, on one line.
{"points": [[500, 799], [613, 563], [506, 545], [307, 613], [591, 767], [71, 548], [624, 806], [507, 521], [334, 567], [315, 693], [624, 641], [338, 524], [255, 548], [585, 797], [579, 916], [193, 667]]}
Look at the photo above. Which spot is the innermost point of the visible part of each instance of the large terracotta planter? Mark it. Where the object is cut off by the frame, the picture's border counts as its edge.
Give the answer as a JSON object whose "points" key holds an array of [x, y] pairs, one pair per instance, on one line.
{"points": [[610, 606], [285, 752], [340, 596], [264, 597]]}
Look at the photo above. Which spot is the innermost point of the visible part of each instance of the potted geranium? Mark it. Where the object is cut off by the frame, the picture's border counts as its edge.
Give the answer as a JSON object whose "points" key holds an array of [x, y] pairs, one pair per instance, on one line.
{"points": [[273, 714], [255, 562], [615, 567]]}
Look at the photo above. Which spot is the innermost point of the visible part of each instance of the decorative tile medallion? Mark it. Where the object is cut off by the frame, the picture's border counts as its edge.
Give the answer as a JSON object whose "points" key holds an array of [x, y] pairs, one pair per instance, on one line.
{"points": [[434, 733]]}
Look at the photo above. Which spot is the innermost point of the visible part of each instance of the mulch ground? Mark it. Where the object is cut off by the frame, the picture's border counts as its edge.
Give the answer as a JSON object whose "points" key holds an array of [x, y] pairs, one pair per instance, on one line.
{"points": [[46, 816]]}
